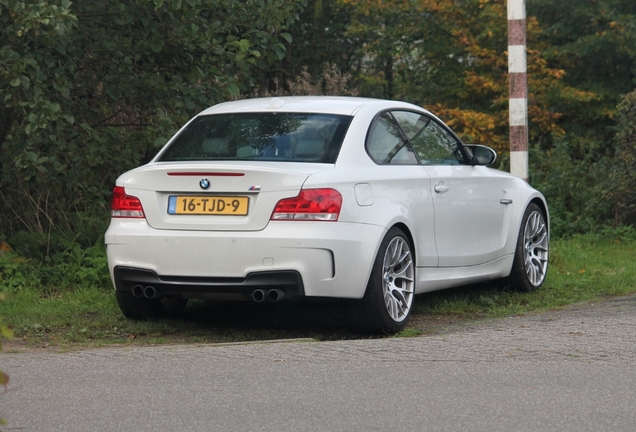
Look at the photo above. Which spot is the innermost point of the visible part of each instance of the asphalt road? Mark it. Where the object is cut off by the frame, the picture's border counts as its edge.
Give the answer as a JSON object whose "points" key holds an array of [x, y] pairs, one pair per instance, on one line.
{"points": [[571, 370]]}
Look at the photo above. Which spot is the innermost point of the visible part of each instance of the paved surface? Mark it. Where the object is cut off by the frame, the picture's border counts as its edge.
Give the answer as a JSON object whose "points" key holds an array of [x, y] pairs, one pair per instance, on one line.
{"points": [[572, 370]]}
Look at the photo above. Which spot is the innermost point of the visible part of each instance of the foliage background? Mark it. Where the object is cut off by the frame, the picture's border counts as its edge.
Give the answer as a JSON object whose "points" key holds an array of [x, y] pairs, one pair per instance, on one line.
{"points": [[91, 89]]}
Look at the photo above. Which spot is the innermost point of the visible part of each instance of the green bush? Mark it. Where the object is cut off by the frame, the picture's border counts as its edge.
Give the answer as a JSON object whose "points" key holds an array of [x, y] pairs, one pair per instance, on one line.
{"points": [[16, 273], [590, 189], [90, 90], [570, 188], [68, 266]]}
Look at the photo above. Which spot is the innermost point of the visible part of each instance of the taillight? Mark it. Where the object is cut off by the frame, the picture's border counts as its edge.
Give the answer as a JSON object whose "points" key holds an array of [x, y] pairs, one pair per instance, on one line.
{"points": [[310, 204], [125, 206]]}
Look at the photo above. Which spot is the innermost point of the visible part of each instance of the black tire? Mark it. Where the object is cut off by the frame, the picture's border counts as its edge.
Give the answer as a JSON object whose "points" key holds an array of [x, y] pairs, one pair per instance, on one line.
{"points": [[389, 296], [140, 308], [530, 263]]}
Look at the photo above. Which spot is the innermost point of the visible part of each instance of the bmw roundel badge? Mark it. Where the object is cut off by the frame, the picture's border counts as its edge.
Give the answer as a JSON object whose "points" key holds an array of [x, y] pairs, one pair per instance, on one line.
{"points": [[204, 183]]}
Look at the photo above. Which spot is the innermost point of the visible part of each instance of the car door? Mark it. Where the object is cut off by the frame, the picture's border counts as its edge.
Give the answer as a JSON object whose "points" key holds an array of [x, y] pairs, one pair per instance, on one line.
{"points": [[402, 186], [466, 199]]}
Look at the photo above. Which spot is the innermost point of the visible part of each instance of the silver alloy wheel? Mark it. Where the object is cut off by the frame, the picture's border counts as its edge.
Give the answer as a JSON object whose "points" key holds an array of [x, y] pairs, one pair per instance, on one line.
{"points": [[397, 279], [535, 245]]}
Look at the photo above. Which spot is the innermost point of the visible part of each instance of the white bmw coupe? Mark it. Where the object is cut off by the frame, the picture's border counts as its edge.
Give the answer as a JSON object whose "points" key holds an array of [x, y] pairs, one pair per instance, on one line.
{"points": [[305, 197]]}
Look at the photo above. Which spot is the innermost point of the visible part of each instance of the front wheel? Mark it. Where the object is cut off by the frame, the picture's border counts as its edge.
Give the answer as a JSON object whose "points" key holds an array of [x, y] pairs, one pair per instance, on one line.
{"points": [[530, 263], [388, 300]]}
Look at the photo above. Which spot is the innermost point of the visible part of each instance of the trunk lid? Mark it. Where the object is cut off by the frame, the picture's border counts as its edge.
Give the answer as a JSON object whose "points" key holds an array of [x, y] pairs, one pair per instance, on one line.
{"points": [[234, 188]]}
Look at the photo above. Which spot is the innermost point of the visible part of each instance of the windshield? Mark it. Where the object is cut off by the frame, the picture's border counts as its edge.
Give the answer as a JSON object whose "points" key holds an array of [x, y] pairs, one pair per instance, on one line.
{"points": [[297, 137]]}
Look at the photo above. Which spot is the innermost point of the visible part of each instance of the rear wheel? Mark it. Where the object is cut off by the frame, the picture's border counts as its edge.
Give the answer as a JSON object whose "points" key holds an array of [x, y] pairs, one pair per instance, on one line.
{"points": [[388, 300], [142, 308], [530, 264]]}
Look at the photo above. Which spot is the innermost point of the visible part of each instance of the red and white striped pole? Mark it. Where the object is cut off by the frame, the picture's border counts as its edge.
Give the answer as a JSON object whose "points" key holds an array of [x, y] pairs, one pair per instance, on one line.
{"points": [[518, 92]]}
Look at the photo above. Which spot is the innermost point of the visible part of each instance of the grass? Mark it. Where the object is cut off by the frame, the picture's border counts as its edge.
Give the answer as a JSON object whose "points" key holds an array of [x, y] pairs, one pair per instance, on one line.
{"points": [[585, 268]]}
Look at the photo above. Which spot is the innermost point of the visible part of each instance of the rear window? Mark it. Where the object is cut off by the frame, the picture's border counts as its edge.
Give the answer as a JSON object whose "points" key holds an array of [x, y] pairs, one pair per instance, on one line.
{"points": [[297, 137]]}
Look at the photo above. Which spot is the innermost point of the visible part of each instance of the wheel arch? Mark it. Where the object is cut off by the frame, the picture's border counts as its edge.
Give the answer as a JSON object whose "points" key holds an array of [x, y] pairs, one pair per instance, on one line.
{"points": [[409, 236], [517, 219], [544, 208], [407, 232]]}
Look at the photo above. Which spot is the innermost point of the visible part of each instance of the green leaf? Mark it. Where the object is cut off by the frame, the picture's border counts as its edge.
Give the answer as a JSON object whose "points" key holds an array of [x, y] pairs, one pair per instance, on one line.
{"points": [[156, 46], [159, 142], [287, 37], [15, 82], [32, 157], [233, 89], [244, 44], [279, 49]]}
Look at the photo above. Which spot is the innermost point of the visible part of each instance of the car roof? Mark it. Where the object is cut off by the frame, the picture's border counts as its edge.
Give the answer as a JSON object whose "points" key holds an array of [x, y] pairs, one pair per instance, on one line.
{"points": [[342, 105]]}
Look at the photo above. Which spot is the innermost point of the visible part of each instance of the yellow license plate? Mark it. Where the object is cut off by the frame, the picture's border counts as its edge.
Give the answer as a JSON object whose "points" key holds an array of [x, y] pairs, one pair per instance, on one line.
{"points": [[208, 205]]}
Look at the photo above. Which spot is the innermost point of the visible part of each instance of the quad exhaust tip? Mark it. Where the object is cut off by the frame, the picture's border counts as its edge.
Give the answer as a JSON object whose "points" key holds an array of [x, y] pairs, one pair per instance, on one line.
{"points": [[258, 295]]}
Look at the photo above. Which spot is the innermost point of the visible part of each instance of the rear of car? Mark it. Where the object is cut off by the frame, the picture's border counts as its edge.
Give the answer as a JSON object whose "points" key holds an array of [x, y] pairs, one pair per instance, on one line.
{"points": [[221, 213]]}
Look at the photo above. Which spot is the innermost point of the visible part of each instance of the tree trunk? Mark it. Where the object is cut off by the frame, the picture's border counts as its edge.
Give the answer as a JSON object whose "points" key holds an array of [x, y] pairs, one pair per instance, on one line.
{"points": [[388, 76]]}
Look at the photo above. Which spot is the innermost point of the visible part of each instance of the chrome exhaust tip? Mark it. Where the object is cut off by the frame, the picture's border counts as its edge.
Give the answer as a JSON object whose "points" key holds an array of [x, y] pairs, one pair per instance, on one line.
{"points": [[258, 295], [150, 292], [138, 291], [275, 295]]}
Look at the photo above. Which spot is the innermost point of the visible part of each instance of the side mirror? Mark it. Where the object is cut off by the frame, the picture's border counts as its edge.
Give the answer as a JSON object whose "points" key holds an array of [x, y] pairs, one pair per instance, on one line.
{"points": [[482, 155]]}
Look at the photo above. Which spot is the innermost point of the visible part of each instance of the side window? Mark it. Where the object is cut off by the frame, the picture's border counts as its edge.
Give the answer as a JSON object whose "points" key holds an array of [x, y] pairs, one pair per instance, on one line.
{"points": [[386, 143], [433, 144]]}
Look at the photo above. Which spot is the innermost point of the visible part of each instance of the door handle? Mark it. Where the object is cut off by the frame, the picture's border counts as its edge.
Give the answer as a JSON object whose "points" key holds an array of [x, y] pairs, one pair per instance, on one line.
{"points": [[505, 201], [441, 188]]}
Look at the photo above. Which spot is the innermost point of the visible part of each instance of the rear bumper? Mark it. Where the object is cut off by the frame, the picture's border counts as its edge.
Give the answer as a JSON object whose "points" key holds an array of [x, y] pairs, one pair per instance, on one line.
{"points": [[320, 259], [290, 282]]}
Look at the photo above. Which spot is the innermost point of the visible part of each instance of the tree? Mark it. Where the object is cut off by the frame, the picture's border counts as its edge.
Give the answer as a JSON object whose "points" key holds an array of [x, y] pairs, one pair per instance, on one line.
{"points": [[450, 56], [91, 89], [621, 167], [594, 44], [318, 38]]}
